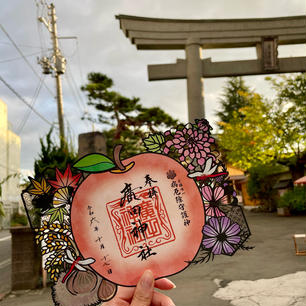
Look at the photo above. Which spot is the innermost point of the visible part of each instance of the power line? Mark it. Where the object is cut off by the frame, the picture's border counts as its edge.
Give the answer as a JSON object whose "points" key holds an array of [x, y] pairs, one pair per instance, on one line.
{"points": [[82, 105], [82, 111], [74, 94], [24, 101], [19, 57], [76, 87], [34, 99], [79, 62], [75, 90], [25, 59], [77, 96], [20, 45]]}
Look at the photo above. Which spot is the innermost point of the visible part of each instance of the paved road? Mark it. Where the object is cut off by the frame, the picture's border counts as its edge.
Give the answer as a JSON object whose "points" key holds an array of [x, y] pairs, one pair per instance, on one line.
{"points": [[273, 256], [289, 289], [5, 261]]}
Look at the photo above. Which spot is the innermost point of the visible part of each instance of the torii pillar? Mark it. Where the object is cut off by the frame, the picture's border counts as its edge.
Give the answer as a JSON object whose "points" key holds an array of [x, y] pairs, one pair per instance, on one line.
{"points": [[194, 73], [264, 34]]}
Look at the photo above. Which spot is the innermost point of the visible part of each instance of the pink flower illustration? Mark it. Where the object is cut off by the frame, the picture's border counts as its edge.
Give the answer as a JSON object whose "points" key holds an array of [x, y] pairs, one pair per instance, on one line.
{"points": [[191, 145], [203, 125], [213, 197]]}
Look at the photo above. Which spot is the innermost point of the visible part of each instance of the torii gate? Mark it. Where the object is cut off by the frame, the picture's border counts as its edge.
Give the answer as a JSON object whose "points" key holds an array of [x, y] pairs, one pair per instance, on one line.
{"points": [[192, 35]]}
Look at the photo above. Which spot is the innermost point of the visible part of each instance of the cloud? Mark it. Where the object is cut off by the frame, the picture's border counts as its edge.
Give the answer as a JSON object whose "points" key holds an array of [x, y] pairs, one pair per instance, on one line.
{"points": [[103, 47]]}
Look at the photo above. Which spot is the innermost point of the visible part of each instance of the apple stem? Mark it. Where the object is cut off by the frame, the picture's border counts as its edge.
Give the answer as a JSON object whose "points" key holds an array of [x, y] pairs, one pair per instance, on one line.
{"points": [[116, 154]]}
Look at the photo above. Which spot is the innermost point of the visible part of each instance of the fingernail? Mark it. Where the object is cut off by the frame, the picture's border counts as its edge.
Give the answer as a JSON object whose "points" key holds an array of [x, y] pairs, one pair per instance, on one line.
{"points": [[172, 283], [147, 279]]}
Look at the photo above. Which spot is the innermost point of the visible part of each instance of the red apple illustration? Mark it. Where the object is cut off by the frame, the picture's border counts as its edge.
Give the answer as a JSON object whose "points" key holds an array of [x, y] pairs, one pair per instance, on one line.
{"points": [[143, 214]]}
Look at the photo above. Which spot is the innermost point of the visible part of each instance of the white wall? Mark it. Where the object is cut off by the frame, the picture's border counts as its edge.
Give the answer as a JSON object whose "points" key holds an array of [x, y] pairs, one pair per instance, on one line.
{"points": [[9, 164]]}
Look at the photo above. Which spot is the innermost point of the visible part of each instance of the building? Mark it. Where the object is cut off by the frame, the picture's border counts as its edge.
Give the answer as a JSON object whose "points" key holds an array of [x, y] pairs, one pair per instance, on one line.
{"points": [[9, 167], [236, 176]]}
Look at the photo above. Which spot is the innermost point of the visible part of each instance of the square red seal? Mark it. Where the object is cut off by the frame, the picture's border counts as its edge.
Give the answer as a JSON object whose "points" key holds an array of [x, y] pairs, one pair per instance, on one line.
{"points": [[142, 221]]}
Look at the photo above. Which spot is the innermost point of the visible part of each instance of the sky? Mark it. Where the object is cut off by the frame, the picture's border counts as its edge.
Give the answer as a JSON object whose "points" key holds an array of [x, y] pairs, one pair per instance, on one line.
{"points": [[102, 47]]}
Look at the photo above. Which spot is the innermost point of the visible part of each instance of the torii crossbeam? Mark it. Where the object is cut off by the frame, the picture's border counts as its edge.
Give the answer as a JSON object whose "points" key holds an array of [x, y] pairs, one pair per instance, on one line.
{"points": [[194, 35]]}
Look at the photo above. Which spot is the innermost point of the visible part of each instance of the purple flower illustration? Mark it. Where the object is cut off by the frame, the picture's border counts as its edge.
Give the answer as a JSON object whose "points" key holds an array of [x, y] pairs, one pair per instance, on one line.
{"points": [[221, 236], [191, 145], [213, 197]]}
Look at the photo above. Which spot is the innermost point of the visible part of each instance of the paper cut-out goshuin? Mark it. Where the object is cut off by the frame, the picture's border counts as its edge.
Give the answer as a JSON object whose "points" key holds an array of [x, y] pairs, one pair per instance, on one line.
{"points": [[102, 226]]}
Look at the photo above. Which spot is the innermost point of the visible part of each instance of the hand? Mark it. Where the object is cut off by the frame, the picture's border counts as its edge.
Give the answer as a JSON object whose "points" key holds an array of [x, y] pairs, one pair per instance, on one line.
{"points": [[143, 294]]}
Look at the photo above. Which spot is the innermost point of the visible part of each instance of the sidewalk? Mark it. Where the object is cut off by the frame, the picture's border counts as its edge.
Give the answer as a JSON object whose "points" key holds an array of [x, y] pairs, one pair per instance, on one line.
{"points": [[280, 291], [5, 262], [4, 233], [40, 297], [248, 278]]}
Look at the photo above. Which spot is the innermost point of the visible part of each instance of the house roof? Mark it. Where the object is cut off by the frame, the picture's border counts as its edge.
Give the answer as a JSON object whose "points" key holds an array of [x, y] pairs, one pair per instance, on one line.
{"points": [[233, 171], [300, 181], [235, 174]]}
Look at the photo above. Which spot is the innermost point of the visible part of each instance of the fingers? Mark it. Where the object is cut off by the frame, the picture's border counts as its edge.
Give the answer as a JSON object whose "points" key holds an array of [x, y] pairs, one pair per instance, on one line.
{"points": [[144, 290], [164, 284], [125, 293], [142, 295], [116, 302], [160, 299]]}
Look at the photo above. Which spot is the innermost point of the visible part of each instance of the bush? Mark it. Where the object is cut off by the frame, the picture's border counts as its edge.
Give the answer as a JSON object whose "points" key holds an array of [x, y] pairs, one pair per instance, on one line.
{"points": [[18, 219], [260, 184], [53, 156], [295, 199]]}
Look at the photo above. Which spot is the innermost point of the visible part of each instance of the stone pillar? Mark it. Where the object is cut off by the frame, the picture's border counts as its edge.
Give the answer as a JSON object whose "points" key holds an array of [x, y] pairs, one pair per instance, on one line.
{"points": [[195, 93], [93, 142], [26, 259]]}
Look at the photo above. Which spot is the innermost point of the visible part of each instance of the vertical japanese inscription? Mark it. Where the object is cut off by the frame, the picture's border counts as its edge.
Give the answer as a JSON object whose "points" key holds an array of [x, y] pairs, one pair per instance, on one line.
{"points": [[178, 192], [94, 223]]}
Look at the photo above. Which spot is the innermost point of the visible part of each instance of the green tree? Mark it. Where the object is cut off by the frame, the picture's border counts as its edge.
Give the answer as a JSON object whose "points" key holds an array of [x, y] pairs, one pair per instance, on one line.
{"points": [[245, 140], [126, 118], [294, 199], [288, 117], [53, 156], [261, 182], [236, 95], [270, 131]]}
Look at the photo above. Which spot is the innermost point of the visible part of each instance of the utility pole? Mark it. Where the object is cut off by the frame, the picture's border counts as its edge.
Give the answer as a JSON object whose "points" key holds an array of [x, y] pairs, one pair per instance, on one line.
{"points": [[57, 64]]}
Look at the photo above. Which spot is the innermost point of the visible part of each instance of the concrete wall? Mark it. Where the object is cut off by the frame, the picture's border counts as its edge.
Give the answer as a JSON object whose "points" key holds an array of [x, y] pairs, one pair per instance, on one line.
{"points": [[93, 142], [9, 165], [26, 259]]}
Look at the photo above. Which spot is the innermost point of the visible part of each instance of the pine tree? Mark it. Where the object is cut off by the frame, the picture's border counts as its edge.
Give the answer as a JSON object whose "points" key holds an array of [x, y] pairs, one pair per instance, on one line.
{"points": [[127, 119], [236, 95]]}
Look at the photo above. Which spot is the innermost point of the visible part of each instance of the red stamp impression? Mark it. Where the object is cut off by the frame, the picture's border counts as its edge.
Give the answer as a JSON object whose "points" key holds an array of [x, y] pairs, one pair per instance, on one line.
{"points": [[140, 223]]}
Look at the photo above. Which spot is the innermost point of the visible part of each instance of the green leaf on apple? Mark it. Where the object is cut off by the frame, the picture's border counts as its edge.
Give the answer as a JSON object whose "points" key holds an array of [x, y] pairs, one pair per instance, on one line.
{"points": [[94, 163], [153, 143]]}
